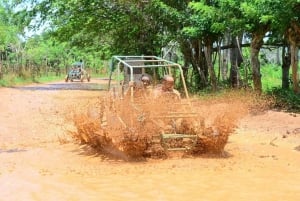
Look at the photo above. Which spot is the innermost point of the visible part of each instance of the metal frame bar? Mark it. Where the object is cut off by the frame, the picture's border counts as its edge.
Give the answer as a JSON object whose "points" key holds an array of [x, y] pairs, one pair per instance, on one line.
{"points": [[126, 60]]}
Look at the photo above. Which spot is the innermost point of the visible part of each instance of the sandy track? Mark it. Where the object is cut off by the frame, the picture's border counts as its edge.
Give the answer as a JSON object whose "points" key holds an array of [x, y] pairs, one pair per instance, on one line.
{"points": [[38, 160]]}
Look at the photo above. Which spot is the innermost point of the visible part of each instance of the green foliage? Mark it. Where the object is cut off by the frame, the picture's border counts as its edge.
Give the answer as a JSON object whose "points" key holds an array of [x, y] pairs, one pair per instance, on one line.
{"points": [[190, 32], [15, 80], [93, 30], [205, 20], [274, 13], [249, 10], [285, 99], [271, 77], [8, 30], [8, 81]]}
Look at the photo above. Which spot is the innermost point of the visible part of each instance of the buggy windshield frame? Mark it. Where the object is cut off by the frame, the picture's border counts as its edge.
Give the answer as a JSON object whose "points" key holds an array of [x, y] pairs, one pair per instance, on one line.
{"points": [[138, 62]]}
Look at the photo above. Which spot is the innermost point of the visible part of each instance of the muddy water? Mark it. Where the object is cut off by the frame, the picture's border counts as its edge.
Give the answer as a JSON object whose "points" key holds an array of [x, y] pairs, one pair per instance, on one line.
{"points": [[38, 161], [61, 173]]}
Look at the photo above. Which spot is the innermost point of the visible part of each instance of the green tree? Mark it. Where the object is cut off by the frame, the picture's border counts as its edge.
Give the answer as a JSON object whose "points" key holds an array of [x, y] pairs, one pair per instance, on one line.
{"points": [[262, 17], [10, 44], [199, 27], [292, 34], [121, 25]]}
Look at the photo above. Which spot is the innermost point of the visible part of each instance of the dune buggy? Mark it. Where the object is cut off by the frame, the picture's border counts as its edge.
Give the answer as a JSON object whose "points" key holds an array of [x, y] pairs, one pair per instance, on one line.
{"points": [[138, 122], [77, 73], [165, 118]]}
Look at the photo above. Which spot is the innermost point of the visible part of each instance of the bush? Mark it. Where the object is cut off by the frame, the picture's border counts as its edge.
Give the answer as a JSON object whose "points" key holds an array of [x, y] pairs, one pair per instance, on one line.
{"points": [[285, 99]]}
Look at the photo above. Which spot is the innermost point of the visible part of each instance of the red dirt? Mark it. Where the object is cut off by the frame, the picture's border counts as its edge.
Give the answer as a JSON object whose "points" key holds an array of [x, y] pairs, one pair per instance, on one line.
{"points": [[40, 161]]}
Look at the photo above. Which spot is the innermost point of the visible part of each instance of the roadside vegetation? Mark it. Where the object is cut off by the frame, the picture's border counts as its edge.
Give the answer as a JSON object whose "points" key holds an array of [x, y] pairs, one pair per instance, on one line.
{"points": [[221, 44], [13, 80]]}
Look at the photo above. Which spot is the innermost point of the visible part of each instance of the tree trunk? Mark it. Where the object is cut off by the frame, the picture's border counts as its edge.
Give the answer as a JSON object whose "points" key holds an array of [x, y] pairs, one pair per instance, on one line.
{"points": [[293, 35], [286, 63], [256, 44], [294, 61], [236, 60], [219, 55], [212, 74], [184, 46], [278, 56], [1, 71], [198, 61], [225, 57], [192, 53]]}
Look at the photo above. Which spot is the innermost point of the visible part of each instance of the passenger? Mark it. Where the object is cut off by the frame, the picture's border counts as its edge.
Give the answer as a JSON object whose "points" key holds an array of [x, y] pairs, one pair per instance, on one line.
{"points": [[168, 83], [167, 87], [141, 87]]}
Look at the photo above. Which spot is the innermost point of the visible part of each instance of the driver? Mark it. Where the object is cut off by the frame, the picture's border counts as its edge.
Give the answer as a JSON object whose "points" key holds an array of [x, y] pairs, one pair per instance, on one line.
{"points": [[142, 86], [145, 80], [166, 87], [146, 85]]}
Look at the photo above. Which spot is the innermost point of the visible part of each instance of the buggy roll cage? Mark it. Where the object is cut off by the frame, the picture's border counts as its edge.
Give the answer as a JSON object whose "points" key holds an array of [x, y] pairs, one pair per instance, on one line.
{"points": [[142, 62]]}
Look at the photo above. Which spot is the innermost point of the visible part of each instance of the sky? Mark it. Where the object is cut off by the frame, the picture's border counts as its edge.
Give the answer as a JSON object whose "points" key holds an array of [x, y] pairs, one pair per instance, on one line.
{"points": [[29, 32]]}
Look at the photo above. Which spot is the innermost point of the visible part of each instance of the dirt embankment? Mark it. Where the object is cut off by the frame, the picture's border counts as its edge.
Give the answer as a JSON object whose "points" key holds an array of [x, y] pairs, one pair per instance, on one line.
{"points": [[40, 161]]}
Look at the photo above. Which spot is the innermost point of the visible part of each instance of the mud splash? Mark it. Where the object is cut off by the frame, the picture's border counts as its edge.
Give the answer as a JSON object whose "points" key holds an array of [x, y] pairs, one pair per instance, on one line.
{"points": [[136, 130]]}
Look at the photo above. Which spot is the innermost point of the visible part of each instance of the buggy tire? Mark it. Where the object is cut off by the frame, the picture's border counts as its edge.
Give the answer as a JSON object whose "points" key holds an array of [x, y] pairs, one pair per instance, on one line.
{"points": [[66, 78]]}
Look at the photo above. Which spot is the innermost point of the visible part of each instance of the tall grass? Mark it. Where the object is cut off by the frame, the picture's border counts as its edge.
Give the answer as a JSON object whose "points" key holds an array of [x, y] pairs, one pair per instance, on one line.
{"points": [[284, 99], [26, 78], [271, 77], [14, 80]]}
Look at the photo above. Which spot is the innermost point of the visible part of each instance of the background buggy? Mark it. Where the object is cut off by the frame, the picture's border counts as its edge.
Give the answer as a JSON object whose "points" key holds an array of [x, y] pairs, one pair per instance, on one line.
{"points": [[77, 72]]}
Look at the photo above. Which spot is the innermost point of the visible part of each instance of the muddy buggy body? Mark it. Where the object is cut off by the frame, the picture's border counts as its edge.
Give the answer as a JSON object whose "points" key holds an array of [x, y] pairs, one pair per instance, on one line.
{"points": [[155, 121], [77, 73]]}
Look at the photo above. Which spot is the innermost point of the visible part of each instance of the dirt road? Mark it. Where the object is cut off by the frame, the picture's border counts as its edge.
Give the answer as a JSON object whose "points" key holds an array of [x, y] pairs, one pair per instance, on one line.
{"points": [[39, 161]]}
